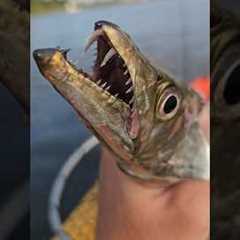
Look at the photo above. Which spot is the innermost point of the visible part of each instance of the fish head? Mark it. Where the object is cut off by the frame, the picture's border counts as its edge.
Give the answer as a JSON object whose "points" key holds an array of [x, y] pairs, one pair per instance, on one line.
{"points": [[139, 112]]}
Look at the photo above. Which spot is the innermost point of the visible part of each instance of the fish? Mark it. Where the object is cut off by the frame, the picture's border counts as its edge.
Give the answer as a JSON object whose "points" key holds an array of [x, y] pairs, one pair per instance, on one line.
{"points": [[140, 113]]}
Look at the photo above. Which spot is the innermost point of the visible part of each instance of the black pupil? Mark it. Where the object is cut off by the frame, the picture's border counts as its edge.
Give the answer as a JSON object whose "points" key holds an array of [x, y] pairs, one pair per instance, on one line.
{"points": [[170, 104]]}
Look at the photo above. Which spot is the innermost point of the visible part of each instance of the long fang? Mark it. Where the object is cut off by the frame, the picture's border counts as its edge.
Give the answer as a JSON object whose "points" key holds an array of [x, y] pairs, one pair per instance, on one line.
{"points": [[108, 56]]}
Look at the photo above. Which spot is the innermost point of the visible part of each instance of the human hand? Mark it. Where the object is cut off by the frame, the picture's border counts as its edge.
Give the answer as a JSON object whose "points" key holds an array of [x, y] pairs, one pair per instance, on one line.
{"points": [[145, 211]]}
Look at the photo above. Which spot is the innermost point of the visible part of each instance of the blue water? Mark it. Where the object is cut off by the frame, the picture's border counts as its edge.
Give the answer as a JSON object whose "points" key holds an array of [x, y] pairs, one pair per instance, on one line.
{"points": [[172, 33]]}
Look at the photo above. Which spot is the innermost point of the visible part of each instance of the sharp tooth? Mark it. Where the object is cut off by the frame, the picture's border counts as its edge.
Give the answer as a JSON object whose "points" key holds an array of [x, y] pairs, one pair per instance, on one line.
{"points": [[108, 56], [108, 88], [126, 72], [116, 95], [64, 52], [124, 146], [128, 81], [75, 62], [71, 61], [130, 89], [93, 38], [103, 85], [131, 101], [65, 78], [99, 81]]}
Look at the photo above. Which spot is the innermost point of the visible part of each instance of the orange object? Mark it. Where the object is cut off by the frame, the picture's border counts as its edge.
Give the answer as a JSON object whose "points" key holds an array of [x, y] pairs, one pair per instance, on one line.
{"points": [[202, 86]]}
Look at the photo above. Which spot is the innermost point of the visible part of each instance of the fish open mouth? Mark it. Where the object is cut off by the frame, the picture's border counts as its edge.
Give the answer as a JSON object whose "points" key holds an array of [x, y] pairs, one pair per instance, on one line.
{"points": [[134, 109], [110, 71], [107, 95]]}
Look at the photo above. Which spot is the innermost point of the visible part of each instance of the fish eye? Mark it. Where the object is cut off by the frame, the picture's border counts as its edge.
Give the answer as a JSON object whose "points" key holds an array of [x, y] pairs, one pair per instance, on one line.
{"points": [[168, 104]]}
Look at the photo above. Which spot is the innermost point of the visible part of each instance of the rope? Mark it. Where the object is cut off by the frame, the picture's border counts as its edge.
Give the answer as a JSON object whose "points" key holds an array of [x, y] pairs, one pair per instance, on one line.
{"points": [[59, 185]]}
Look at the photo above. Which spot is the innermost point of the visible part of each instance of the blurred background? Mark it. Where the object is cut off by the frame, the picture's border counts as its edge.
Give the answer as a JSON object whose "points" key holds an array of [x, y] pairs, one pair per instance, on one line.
{"points": [[41, 6], [14, 119], [174, 34]]}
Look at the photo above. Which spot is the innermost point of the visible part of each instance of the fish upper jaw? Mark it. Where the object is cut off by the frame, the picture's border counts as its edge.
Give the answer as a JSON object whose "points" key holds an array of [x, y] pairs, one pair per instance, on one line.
{"points": [[117, 78], [143, 75]]}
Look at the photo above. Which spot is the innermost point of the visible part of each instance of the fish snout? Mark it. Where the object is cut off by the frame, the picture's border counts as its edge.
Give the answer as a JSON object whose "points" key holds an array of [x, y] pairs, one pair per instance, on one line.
{"points": [[101, 23], [44, 54]]}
